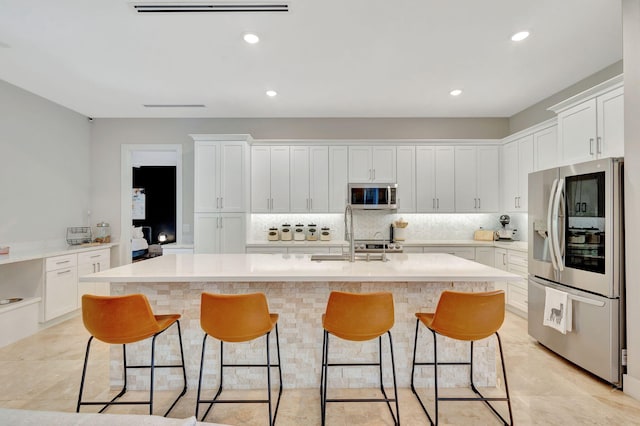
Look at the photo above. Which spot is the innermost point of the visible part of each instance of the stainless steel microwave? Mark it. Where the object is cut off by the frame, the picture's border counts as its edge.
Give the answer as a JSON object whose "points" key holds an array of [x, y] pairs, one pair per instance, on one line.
{"points": [[373, 196]]}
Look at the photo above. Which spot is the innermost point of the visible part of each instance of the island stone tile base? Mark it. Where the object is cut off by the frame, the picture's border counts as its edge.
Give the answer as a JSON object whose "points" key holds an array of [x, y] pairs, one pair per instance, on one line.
{"points": [[300, 306]]}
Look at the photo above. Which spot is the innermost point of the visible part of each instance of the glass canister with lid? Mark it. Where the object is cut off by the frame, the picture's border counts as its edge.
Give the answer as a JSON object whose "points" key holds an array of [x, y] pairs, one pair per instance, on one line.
{"points": [[102, 233], [285, 232]]}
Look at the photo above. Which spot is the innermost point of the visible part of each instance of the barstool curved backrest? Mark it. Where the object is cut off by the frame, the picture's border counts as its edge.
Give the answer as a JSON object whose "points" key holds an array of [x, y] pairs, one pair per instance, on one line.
{"points": [[235, 317], [469, 316], [355, 316], [119, 319]]}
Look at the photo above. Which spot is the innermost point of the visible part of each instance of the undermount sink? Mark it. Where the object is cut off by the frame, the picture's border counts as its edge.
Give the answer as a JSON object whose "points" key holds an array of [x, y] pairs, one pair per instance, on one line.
{"points": [[380, 257]]}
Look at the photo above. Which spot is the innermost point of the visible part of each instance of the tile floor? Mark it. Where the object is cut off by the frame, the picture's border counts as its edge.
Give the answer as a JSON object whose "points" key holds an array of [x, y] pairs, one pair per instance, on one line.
{"points": [[43, 371]]}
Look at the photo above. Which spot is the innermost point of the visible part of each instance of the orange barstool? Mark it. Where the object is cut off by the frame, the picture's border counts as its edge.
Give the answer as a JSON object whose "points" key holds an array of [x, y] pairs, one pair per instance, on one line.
{"points": [[122, 320], [238, 318], [358, 317], [469, 317]]}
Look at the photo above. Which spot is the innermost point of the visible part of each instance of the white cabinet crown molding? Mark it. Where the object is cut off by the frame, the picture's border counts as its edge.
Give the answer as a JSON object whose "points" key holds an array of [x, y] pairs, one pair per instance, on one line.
{"points": [[595, 91], [531, 130], [375, 142], [222, 137]]}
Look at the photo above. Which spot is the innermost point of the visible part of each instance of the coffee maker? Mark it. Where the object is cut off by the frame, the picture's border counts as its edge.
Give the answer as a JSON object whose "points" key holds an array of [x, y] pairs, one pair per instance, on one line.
{"points": [[504, 233]]}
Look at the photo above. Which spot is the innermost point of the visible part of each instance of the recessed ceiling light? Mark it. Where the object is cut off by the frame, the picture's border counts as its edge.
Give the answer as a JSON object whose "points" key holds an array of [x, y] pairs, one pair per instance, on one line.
{"points": [[251, 38], [455, 92], [520, 36], [271, 93]]}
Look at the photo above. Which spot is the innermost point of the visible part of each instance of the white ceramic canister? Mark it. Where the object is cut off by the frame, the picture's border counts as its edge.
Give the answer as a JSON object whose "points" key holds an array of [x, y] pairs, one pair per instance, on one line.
{"points": [[285, 232], [298, 232], [325, 234], [273, 234]]}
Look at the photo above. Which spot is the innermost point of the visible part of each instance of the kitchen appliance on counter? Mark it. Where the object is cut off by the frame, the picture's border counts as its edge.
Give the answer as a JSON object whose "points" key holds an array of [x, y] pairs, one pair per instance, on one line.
{"points": [[505, 233], [377, 246], [285, 232], [298, 232], [576, 246], [325, 234], [312, 233], [373, 196], [273, 234], [398, 229]]}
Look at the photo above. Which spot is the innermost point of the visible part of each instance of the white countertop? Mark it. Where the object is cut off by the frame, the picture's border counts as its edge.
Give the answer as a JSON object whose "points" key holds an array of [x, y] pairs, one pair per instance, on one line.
{"points": [[34, 252], [435, 267]]}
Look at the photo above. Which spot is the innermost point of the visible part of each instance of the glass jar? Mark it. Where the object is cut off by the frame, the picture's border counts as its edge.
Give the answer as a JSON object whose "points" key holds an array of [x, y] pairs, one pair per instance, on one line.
{"points": [[102, 233]]}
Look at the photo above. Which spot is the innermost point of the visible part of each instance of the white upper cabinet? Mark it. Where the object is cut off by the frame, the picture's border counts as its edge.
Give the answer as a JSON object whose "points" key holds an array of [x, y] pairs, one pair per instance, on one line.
{"points": [[372, 164], [610, 108], [435, 177], [270, 179], [219, 175], [465, 179], [338, 178], [517, 163], [309, 179], [591, 124], [545, 148], [488, 179], [406, 178], [477, 179]]}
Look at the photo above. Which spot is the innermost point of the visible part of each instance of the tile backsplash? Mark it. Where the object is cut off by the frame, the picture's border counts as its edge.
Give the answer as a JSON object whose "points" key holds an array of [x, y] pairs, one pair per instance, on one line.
{"points": [[368, 223]]}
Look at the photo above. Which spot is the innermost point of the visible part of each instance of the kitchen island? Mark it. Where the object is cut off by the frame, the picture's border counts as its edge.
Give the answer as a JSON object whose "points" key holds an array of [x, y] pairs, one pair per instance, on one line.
{"points": [[297, 288]]}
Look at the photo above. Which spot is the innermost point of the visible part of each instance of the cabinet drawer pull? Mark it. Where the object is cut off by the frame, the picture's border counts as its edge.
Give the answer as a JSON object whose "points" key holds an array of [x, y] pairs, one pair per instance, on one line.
{"points": [[62, 262], [66, 271], [95, 255]]}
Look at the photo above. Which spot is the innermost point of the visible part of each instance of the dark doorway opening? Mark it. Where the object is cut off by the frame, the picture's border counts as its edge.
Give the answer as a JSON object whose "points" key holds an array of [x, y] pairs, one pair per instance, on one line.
{"points": [[159, 185]]}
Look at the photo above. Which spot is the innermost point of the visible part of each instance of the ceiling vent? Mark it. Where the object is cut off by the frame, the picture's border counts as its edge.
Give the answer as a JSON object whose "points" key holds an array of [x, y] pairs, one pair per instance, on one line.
{"points": [[173, 105], [210, 7]]}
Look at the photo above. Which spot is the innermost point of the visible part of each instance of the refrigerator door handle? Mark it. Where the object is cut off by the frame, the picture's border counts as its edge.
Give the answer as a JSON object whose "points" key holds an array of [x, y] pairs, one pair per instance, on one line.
{"points": [[550, 234], [597, 303], [558, 211]]}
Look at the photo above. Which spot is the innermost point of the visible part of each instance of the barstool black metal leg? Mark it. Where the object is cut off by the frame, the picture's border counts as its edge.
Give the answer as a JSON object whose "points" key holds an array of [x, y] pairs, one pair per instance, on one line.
{"points": [[326, 373], [504, 375], [275, 414], [413, 368], [184, 373], [152, 374], [84, 372], [269, 379], [395, 386], [204, 341], [435, 375]]}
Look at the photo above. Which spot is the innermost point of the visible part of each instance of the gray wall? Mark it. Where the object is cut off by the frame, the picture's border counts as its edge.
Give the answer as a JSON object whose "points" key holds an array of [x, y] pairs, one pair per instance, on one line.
{"points": [[107, 136], [44, 167], [538, 112]]}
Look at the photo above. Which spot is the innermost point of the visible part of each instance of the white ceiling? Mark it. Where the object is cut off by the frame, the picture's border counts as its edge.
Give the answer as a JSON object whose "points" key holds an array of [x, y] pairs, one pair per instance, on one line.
{"points": [[325, 58]]}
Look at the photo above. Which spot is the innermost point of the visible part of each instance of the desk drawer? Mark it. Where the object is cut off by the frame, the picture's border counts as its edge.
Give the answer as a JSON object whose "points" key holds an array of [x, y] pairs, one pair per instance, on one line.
{"points": [[59, 262]]}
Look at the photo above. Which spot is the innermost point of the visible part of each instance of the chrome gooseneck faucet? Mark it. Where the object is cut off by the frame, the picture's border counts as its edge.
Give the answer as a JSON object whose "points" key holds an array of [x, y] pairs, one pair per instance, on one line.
{"points": [[348, 232]]}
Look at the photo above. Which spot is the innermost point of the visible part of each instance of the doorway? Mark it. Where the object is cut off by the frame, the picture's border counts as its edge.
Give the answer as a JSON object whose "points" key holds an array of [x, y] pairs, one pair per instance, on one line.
{"points": [[161, 168]]}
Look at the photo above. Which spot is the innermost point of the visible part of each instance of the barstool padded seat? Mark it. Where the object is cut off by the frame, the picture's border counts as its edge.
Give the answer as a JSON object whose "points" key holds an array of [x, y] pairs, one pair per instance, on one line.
{"points": [[122, 319]]}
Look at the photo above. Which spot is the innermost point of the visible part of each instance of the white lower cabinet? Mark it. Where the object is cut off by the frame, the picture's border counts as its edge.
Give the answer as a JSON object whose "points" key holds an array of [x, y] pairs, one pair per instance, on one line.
{"points": [[219, 233], [500, 262], [516, 291], [60, 286], [88, 263]]}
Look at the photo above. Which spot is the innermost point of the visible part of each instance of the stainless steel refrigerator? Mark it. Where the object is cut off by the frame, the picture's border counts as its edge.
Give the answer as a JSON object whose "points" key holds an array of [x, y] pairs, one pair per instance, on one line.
{"points": [[576, 245]]}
